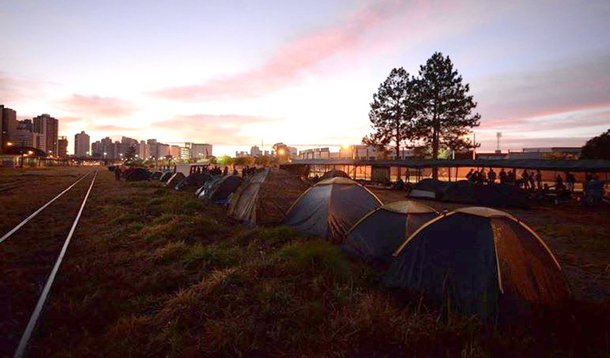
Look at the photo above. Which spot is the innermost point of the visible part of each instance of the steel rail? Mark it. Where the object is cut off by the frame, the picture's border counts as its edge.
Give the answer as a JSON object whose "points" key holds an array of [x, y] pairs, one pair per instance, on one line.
{"points": [[27, 334], [25, 221]]}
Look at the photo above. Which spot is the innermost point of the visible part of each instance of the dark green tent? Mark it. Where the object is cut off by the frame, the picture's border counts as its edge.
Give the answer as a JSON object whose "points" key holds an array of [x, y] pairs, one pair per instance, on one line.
{"points": [[331, 207], [218, 189], [165, 177], [265, 197], [377, 236], [479, 261]]}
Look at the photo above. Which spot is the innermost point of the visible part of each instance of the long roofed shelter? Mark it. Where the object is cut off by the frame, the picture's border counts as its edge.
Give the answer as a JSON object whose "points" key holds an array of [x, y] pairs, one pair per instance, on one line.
{"points": [[479, 261], [377, 235], [417, 169], [331, 207]]}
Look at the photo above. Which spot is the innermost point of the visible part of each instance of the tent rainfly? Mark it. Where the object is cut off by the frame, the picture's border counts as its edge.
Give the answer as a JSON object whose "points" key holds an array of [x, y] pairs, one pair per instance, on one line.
{"points": [[331, 207], [165, 177], [220, 188], [175, 179], [265, 197], [479, 261]]}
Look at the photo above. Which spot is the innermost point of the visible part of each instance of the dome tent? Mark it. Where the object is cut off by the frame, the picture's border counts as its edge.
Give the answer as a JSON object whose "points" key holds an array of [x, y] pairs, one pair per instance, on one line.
{"points": [[156, 175], [479, 261], [331, 207], [218, 189], [174, 179], [165, 177], [259, 202], [377, 235], [137, 174]]}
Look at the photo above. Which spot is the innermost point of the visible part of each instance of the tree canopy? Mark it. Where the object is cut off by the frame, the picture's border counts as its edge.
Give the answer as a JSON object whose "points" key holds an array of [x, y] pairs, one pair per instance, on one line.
{"points": [[445, 118], [597, 147], [433, 109], [393, 110]]}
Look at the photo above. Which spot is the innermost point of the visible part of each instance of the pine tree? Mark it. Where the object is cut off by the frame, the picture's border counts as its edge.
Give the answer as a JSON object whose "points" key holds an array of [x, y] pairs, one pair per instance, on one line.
{"points": [[445, 117], [597, 147], [392, 111]]}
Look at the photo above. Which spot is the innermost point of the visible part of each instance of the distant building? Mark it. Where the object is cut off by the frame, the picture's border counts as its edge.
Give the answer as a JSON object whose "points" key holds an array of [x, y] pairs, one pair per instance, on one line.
{"points": [[185, 153], [200, 150], [23, 135], [174, 151], [292, 152], [104, 149], [255, 151], [143, 150], [82, 145], [241, 154], [163, 150], [546, 153], [48, 127], [315, 153], [129, 141], [62, 147], [8, 125]]}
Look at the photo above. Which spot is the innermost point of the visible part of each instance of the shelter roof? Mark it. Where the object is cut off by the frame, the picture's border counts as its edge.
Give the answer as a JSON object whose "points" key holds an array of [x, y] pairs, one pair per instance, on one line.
{"points": [[583, 165]]}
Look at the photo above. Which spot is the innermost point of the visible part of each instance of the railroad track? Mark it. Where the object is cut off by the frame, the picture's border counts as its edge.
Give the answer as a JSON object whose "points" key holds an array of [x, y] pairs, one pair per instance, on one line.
{"points": [[31, 255]]}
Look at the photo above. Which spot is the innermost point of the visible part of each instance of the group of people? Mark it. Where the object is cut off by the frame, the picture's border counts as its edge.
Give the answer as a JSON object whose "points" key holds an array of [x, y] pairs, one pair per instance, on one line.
{"points": [[528, 180]]}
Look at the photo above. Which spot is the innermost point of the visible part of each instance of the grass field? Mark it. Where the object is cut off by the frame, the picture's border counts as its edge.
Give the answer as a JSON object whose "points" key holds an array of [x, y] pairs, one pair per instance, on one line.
{"points": [[154, 272]]}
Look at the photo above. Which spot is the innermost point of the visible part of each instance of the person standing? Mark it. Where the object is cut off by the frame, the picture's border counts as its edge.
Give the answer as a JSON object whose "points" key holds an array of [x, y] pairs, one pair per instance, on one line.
{"points": [[491, 176], [570, 181]]}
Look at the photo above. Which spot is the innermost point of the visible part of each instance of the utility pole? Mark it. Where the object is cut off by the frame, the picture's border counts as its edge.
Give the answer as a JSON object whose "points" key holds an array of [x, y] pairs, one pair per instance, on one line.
{"points": [[474, 145]]}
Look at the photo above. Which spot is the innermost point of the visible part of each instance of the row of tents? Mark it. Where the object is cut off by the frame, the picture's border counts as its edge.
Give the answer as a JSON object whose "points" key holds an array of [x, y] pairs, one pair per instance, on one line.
{"points": [[476, 260]]}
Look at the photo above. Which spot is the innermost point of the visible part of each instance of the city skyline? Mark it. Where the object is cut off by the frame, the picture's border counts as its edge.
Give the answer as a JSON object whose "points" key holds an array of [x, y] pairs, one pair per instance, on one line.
{"points": [[539, 72]]}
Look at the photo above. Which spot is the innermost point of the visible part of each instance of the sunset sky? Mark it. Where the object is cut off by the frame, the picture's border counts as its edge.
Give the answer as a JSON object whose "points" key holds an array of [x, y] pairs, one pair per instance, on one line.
{"points": [[235, 73]]}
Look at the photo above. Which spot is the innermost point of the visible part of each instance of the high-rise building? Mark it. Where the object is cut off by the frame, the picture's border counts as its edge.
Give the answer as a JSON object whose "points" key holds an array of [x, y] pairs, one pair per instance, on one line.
{"points": [[130, 141], [81, 145], [48, 126], [153, 148], [8, 126], [143, 150], [200, 150], [62, 147], [23, 135], [174, 151], [185, 153], [162, 150], [255, 151]]}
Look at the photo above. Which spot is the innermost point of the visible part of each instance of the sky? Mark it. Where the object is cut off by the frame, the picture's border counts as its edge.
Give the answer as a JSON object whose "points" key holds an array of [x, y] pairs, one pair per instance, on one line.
{"points": [[242, 73]]}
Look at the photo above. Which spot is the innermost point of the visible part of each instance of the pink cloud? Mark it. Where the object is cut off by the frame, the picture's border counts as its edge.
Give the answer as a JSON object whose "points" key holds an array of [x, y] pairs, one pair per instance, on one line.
{"points": [[290, 61], [96, 106], [14, 89], [225, 129]]}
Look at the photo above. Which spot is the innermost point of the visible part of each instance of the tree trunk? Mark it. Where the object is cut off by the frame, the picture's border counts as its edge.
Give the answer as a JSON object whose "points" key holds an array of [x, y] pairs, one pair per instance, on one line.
{"points": [[435, 145], [397, 140]]}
